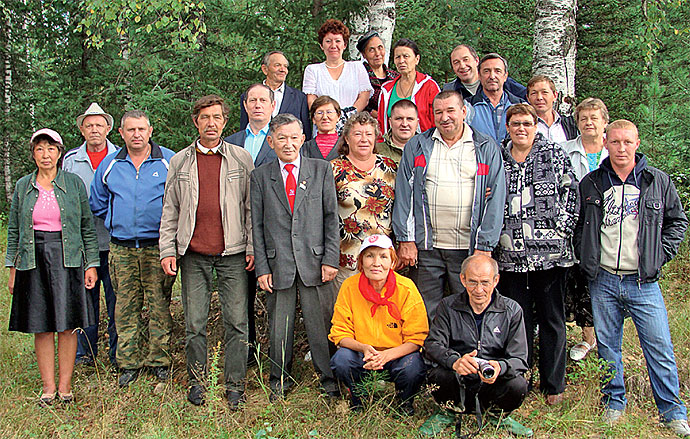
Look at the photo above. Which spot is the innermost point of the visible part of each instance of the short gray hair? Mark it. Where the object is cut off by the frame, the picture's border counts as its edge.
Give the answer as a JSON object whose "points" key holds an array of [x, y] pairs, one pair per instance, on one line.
{"points": [[271, 94], [492, 55], [470, 259], [281, 120], [134, 114], [265, 60]]}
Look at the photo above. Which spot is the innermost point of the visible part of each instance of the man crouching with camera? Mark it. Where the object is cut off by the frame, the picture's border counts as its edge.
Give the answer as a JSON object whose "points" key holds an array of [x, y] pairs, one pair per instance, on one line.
{"points": [[478, 348]]}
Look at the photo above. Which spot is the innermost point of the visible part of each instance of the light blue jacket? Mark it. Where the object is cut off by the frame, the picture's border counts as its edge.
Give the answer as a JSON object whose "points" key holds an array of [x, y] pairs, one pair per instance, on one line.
{"points": [[131, 201], [411, 218], [77, 162], [485, 118]]}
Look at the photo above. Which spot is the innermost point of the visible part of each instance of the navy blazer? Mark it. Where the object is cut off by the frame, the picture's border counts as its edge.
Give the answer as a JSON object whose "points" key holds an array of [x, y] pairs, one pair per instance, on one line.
{"points": [[266, 154], [294, 102]]}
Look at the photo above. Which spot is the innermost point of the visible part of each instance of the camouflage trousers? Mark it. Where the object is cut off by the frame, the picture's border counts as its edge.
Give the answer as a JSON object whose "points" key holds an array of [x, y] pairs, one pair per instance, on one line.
{"points": [[137, 276]]}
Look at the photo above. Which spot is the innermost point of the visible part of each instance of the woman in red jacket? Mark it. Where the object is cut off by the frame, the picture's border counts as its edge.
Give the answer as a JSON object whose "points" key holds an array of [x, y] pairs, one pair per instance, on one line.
{"points": [[411, 84]]}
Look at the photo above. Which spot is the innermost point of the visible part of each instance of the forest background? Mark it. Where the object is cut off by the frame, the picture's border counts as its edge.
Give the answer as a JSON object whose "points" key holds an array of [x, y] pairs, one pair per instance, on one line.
{"points": [[160, 55], [58, 56]]}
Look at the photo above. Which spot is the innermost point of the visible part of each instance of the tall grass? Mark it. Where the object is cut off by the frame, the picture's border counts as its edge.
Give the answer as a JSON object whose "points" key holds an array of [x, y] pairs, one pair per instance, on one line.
{"points": [[145, 410]]}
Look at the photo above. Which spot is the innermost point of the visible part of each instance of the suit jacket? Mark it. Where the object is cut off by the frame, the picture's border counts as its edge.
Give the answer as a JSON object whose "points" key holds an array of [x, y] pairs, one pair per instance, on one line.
{"points": [[287, 243], [266, 154], [294, 102], [311, 149]]}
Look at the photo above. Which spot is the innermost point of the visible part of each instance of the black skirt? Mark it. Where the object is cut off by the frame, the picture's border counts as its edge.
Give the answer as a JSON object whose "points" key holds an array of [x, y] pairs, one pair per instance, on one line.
{"points": [[50, 297]]}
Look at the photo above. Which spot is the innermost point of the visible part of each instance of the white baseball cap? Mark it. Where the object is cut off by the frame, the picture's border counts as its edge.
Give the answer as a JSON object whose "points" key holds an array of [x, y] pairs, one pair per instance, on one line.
{"points": [[48, 132], [378, 240]]}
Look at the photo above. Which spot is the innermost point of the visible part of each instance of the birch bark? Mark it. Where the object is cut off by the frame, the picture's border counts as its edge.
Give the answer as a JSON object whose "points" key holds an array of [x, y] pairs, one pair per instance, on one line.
{"points": [[554, 47]]}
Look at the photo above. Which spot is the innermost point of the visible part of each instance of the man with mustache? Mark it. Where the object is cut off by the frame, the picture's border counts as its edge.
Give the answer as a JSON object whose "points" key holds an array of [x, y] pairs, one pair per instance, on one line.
{"points": [[206, 227]]}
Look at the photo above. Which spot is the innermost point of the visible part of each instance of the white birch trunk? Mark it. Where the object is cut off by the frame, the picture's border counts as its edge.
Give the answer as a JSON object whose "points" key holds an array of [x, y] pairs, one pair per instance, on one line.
{"points": [[554, 47], [124, 52], [7, 94], [380, 16]]}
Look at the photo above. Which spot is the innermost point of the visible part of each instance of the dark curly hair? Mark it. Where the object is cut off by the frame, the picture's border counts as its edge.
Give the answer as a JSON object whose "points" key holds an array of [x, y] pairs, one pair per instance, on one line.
{"points": [[334, 26]]}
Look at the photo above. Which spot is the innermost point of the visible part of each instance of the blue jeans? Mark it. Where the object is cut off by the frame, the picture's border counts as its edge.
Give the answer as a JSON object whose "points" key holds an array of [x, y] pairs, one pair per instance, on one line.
{"points": [[88, 340], [407, 373], [614, 297]]}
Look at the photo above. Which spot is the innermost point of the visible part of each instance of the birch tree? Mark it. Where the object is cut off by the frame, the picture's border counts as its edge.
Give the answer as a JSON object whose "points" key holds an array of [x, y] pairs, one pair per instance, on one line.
{"points": [[7, 102], [379, 16], [554, 47]]}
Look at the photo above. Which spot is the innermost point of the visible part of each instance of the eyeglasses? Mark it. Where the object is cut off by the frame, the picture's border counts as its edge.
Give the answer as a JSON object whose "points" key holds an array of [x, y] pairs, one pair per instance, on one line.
{"points": [[328, 112], [526, 124], [472, 284]]}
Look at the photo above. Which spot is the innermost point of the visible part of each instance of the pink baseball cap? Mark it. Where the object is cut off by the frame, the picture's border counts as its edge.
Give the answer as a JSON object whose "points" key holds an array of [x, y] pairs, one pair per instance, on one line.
{"points": [[381, 241], [48, 132]]}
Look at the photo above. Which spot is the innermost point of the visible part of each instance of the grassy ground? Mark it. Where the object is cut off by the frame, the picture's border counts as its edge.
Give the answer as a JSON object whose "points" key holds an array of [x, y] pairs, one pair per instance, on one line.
{"points": [[146, 410]]}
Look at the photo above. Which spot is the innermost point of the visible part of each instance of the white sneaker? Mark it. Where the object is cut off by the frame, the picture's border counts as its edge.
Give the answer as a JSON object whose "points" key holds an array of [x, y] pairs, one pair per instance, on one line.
{"points": [[678, 426], [580, 350]]}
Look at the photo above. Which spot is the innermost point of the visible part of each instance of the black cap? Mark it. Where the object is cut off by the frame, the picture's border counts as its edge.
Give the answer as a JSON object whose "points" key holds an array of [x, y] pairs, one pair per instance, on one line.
{"points": [[364, 39]]}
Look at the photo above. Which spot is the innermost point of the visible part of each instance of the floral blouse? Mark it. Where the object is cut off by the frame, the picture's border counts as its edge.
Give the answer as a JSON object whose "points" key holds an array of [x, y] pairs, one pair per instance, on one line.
{"points": [[365, 203]]}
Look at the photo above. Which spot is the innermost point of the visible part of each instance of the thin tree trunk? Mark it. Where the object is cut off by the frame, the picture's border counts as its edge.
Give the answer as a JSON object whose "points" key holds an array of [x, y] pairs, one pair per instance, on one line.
{"points": [[7, 88], [554, 47], [380, 16], [124, 52]]}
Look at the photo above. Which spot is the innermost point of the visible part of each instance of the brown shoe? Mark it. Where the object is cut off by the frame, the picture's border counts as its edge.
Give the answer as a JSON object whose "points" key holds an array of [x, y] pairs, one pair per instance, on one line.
{"points": [[554, 399]]}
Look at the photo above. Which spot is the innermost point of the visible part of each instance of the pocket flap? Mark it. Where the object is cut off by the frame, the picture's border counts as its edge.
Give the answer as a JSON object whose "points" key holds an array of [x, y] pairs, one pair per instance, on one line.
{"points": [[271, 253], [318, 250]]}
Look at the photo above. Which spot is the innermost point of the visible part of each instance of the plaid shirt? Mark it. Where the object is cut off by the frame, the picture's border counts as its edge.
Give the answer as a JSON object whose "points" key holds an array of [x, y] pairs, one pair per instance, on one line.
{"points": [[376, 83]]}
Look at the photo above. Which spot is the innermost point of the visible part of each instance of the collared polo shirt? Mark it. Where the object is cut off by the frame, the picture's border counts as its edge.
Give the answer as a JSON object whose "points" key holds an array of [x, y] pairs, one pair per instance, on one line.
{"points": [[253, 142], [555, 132], [450, 182]]}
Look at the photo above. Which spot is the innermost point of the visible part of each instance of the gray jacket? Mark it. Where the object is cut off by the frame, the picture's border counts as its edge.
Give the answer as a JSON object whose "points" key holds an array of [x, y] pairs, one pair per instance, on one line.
{"points": [[578, 156], [181, 200], [288, 244], [411, 218], [77, 162]]}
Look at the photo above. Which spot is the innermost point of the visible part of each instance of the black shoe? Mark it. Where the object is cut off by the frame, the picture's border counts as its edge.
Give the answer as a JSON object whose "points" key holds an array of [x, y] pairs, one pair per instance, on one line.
{"points": [[235, 399], [407, 408], [196, 394], [332, 394], [276, 394], [128, 376], [85, 360], [161, 372]]}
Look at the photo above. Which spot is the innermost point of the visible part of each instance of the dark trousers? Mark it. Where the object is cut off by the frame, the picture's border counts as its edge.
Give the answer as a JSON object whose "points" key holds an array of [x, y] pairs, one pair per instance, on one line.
{"points": [[88, 340], [407, 373], [197, 285], [504, 394], [282, 307], [251, 317], [541, 296], [437, 268]]}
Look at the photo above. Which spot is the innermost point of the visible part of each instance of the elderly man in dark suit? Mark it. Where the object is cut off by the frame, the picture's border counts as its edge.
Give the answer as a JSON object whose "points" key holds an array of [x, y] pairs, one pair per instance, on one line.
{"points": [[296, 247], [288, 100]]}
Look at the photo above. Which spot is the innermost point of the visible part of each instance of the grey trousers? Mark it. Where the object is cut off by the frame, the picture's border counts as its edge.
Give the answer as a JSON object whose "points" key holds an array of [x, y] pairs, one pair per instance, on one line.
{"points": [[197, 285], [437, 268], [281, 311]]}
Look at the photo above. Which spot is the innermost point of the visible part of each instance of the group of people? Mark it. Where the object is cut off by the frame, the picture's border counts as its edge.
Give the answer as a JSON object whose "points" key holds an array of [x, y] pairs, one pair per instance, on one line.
{"points": [[329, 195]]}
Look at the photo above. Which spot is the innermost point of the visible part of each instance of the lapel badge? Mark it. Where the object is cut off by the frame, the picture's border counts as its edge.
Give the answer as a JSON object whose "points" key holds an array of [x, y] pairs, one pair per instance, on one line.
{"points": [[303, 185]]}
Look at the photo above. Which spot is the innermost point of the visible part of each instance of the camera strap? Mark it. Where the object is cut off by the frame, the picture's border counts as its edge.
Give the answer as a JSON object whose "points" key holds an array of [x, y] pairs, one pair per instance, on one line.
{"points": [[478, 415]]}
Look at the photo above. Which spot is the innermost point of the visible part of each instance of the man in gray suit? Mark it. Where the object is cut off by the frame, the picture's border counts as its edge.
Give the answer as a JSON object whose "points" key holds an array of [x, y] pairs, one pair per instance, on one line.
{"points": [[296, 247]]}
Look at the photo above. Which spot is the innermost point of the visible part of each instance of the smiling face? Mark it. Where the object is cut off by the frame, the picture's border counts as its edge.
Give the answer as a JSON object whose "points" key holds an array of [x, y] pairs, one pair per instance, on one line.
{"points": [[541, 97], [376, 263], [464, 65], [492, 75], [286, 141], [374, 52], [403, 122], [333, 46], [522, 128], [479, 280], [94, 129], [46, 155], [325, 119], [277, 69], [449, 116], [360, 139], [405, 60]]}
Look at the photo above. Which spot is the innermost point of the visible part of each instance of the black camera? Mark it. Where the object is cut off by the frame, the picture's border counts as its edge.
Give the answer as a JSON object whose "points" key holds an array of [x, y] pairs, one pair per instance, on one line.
{"points": [[486, 370]]}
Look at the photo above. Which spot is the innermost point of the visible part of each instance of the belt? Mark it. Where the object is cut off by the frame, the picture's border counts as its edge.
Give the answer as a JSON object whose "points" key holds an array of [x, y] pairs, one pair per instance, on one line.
{"points": [[135, 243]]}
